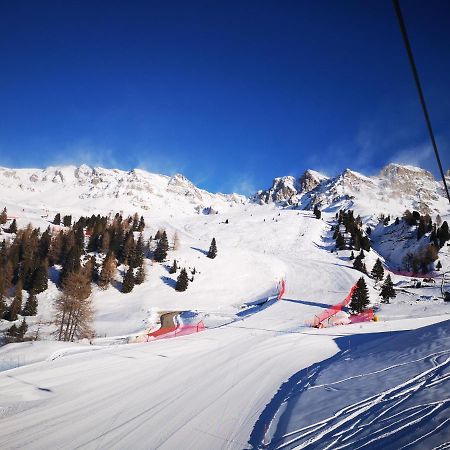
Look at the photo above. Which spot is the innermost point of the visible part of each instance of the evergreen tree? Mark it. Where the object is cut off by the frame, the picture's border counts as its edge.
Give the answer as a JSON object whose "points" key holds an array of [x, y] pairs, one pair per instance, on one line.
{"points": [[141, 225], [128, 281], [361, 254], [108, 271], [30, 305], [212, 253], [67, 221], [39, 281], [135, 222], [340, 241], [438, 265], [70, 264], [378, 270], [352, 256], [12, 335], [140, 276], [57, 219], [138, 255], [387, 290], [317, 212], [444, 234], [44, 243], [174, 267], [106, 242], [13, 227], [16, 304], [359, 265], [360, 297], [161, 248], [182, 281], [23, 327], [3, 217]]}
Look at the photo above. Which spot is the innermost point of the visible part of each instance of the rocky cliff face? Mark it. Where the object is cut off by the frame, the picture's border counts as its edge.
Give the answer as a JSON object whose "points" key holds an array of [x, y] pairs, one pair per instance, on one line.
{"points": [[288, 190]]}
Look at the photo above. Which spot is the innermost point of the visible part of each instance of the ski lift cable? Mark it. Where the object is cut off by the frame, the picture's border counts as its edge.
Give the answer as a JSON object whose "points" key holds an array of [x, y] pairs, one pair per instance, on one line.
{"points": [[419, 89]]}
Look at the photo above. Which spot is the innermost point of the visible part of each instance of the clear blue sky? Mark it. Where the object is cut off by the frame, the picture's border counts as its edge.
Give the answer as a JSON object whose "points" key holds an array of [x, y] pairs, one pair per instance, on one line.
{"points": [[230, 93]]}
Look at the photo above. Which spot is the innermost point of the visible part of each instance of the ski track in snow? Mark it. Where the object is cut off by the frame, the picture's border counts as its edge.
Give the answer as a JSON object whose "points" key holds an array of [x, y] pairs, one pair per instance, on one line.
{"points": [[396, 418]]}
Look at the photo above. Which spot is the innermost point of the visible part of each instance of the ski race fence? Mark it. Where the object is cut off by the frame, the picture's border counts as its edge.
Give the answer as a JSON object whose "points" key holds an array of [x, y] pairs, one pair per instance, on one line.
{"points": [[319, 320], [175, 331]]}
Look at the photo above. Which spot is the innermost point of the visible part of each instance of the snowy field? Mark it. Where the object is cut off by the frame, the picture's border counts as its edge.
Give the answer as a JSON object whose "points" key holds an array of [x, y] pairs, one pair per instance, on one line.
{"points": [[258, 380]]}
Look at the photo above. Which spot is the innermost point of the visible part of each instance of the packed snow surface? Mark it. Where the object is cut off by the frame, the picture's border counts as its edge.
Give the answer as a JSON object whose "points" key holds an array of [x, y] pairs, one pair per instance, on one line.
{"points": [[221, 388]]}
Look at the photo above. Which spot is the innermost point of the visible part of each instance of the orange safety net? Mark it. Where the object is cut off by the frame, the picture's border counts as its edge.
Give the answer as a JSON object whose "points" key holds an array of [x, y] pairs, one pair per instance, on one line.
{"points": [[330, 312]]}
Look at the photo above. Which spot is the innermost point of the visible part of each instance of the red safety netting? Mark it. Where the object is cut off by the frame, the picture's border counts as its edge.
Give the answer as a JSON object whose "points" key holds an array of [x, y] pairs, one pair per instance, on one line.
{"points": [[282, 289], [330, 312], [181, 330], [365, 316]]}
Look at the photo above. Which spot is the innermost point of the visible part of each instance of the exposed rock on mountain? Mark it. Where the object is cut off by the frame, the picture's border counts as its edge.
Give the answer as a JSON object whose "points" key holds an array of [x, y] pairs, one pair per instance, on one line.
{"points": [[84, 185], [287, 190], [395, 189]]}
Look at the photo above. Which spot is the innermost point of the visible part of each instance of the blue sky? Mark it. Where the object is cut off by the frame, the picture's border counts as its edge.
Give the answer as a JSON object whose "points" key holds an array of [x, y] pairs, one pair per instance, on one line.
{"points": [[230, 93]]}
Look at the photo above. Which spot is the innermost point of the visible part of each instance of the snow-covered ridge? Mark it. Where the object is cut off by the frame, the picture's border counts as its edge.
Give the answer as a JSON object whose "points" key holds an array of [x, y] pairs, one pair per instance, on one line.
{"points": [[66, 186], [394, 189]]}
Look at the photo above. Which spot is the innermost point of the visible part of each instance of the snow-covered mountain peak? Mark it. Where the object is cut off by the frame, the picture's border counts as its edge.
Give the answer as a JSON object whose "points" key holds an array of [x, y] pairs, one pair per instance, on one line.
{"points": [[99, 188], [395, 189], [393, 171]]}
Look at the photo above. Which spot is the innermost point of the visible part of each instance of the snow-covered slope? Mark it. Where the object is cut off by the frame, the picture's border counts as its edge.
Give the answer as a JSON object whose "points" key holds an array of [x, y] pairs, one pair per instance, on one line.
{"points": [[217, 388]]}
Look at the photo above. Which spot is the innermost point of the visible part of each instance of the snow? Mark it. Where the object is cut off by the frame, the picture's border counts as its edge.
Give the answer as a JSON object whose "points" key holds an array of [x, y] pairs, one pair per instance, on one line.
{"points": [[217, 388]]}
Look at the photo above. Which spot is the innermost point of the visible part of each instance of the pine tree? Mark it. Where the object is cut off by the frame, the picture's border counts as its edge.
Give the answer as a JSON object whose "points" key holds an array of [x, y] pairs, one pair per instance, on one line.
{"points": [[128, 281], [174, 267], [361, 254], [30, 305], [138, 254], [67, 221], [438, 265], [444, 234], [162, 248], [387, 290], [212, 253], [44, 243], [13, 227], [378, 270], [108, 271], [106, 242], [57, 219], [12, 335], [23, 327], [317, 212], [182, 281], [352, 256], [360, 297], [141, 225], [141, 275], [39, 281], [359, 265], [340, 241], [3, 217], [16, 304]]}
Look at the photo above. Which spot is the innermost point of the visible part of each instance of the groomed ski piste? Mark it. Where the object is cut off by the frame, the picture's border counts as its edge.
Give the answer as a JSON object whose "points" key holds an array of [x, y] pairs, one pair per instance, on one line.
{"points": [[264, 379]]}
